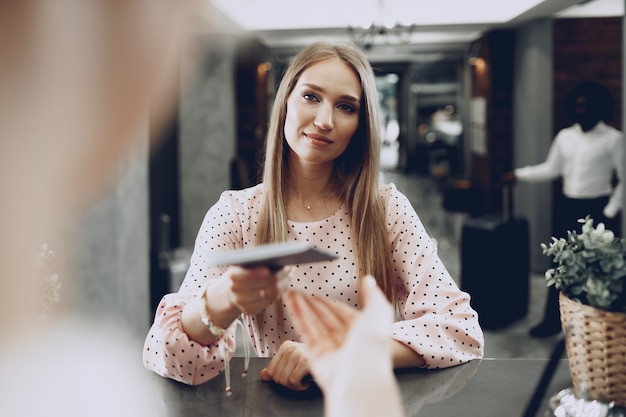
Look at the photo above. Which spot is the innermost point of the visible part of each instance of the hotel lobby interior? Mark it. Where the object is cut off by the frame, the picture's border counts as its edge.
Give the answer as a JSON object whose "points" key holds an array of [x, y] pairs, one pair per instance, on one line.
{"points": [[468, 90]]}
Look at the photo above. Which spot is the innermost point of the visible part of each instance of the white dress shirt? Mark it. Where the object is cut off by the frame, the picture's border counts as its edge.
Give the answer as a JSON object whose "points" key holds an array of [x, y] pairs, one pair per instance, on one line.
{"points": [[586, 162]]}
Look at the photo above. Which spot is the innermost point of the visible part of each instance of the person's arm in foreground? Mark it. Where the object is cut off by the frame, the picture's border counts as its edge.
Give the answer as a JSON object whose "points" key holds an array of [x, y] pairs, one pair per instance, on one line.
{"points": [[349, 352]]}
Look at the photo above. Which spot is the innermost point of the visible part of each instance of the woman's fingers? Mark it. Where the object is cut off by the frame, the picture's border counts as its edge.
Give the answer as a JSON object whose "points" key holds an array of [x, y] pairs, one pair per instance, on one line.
{"points": [[252, 279], [291, 373], [288, 367], [253, 289]]}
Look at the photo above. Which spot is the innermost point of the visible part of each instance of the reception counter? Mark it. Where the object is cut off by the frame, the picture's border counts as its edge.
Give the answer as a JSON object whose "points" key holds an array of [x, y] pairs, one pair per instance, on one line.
{"points": [[491, 387]]}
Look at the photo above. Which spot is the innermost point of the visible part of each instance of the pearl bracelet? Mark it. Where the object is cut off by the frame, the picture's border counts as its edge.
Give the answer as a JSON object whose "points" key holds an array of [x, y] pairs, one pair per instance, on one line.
{"points": [[204, 317]]}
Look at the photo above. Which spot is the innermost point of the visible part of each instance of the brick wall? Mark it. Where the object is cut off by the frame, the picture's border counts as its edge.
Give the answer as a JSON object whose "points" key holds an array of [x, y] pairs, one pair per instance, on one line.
{"points": [[588, 49]]}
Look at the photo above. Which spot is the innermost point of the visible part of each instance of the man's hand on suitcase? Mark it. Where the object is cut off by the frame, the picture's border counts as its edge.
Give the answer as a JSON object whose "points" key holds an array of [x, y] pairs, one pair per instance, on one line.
{"points": [[508, 179]]}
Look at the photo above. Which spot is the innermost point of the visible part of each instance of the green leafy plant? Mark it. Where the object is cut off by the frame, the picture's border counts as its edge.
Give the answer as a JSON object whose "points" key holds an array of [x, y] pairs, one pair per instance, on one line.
{"points": [[590, 266]]}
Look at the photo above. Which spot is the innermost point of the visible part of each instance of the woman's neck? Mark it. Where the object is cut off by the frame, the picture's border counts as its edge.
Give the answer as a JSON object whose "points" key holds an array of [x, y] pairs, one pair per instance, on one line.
{"points": [[311, 193], [310, 180]]}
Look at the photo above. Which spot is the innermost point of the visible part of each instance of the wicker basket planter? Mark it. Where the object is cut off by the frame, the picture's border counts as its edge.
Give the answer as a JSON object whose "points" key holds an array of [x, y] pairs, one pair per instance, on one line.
{"points": [[596, 349]]}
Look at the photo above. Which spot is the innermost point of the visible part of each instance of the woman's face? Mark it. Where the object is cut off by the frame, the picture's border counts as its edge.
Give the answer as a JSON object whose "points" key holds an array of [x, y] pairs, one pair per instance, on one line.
{"points": [[323, 111]]}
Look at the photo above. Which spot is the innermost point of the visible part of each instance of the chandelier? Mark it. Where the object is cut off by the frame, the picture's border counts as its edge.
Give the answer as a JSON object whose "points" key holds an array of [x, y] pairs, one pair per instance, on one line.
{"points": [[381, 31], [381, 35]]}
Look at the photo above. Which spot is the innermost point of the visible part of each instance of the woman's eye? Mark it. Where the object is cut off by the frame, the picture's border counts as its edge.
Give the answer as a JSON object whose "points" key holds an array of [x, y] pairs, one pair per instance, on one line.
{"points": [[310, 97], [347, 107]]}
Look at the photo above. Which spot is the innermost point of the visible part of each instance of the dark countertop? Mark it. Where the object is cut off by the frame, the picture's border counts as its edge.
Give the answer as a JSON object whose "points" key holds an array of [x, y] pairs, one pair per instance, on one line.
{"points": [[491, 387]]}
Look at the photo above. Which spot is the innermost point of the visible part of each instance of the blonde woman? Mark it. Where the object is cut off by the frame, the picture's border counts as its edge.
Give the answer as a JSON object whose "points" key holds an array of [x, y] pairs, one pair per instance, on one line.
{"points": [[321, 185]]}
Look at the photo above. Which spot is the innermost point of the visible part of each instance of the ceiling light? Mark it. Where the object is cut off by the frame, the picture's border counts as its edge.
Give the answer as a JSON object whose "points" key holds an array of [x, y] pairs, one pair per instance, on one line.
{"points": [[382, 30]]}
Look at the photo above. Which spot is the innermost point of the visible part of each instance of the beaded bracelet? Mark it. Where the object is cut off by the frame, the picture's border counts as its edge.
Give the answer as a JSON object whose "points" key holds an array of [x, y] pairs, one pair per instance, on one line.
{"points": [[204, 317]]}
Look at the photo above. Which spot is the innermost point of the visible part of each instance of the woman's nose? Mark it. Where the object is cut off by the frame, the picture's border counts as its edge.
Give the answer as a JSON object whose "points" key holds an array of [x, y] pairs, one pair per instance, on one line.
{"points": [[324, 118]]}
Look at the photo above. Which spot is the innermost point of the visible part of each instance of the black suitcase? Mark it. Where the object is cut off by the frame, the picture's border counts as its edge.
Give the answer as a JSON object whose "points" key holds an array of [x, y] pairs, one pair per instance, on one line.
{"points": [[495, 266]]}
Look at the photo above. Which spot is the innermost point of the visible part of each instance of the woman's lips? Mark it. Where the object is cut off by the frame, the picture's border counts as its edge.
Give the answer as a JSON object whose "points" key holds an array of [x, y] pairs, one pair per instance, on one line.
{"points": [[318, 139]]}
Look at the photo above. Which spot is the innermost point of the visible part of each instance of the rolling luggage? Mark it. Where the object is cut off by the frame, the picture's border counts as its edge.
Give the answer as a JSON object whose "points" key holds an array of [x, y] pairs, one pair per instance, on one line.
{"points": [[495, 266]]}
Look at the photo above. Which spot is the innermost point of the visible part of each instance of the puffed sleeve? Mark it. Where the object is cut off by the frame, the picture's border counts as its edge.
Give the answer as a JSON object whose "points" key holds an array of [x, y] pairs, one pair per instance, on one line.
{"points": [[168, 351], [437, 320]]}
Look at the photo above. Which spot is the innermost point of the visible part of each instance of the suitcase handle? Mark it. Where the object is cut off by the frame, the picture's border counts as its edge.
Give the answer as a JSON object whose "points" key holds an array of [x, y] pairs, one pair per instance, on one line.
{"points": [[507, 201]]}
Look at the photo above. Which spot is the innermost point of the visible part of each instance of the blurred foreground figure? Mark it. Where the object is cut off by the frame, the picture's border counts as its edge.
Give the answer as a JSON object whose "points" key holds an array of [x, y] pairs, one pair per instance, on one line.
{"points": [[76, 79]]}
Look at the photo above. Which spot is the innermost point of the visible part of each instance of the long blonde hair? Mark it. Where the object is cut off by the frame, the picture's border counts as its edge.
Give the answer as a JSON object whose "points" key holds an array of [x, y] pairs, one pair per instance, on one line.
{"points": [[356, 171]]}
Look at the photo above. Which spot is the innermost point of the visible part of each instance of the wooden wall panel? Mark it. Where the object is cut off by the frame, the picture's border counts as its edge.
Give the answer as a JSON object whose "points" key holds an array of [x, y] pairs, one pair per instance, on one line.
{"points": [[492, 79]]}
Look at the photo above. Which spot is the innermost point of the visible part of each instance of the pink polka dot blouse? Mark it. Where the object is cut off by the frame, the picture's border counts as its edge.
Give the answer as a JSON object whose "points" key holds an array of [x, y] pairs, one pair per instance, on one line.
{"points": [[436, 318]]}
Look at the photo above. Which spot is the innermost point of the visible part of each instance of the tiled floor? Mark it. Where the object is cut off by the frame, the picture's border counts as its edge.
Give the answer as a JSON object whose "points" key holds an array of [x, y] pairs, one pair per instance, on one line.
{"points": [[511, 342]]}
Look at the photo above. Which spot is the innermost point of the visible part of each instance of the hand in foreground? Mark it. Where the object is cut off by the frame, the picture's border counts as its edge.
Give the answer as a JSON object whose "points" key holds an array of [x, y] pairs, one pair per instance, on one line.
{"points": [[289, 366], [349, 351]]}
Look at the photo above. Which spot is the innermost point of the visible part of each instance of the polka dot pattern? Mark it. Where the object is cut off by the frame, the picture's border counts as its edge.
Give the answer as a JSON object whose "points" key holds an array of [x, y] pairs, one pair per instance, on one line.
{"points": [[436, 318]]}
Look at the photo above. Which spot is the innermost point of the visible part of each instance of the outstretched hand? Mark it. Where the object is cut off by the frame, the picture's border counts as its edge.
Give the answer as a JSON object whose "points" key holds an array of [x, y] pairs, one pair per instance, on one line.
{"points": [[349, 351]]}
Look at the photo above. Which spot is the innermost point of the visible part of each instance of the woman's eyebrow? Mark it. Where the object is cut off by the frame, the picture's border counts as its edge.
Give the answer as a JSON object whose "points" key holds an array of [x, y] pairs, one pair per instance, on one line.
{"points": [[346, 97], [350, 98]]}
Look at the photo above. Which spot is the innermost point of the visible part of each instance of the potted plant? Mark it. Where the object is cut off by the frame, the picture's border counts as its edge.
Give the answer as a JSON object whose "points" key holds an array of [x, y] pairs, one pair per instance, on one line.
{"points": [[590, 274]]}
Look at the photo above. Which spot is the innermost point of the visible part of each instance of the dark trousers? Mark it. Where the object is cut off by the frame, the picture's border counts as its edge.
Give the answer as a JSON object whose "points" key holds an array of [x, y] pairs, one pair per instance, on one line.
{"points": [[567, 211]]}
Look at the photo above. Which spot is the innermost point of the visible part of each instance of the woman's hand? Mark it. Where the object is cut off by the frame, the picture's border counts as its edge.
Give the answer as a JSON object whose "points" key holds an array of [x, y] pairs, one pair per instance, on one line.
{"points": [[289, 366], [238, 290], [350, 351], [246, 290], [252, 289]]}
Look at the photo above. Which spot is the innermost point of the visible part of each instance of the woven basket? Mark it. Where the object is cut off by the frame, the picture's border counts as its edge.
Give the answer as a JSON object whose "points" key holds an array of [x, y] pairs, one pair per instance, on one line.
{"points": [[596, 349]]}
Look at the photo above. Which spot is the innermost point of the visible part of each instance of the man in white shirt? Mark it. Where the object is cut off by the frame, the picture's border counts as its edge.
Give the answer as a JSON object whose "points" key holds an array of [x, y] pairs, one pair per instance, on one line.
{"points": [[587, 156]]}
